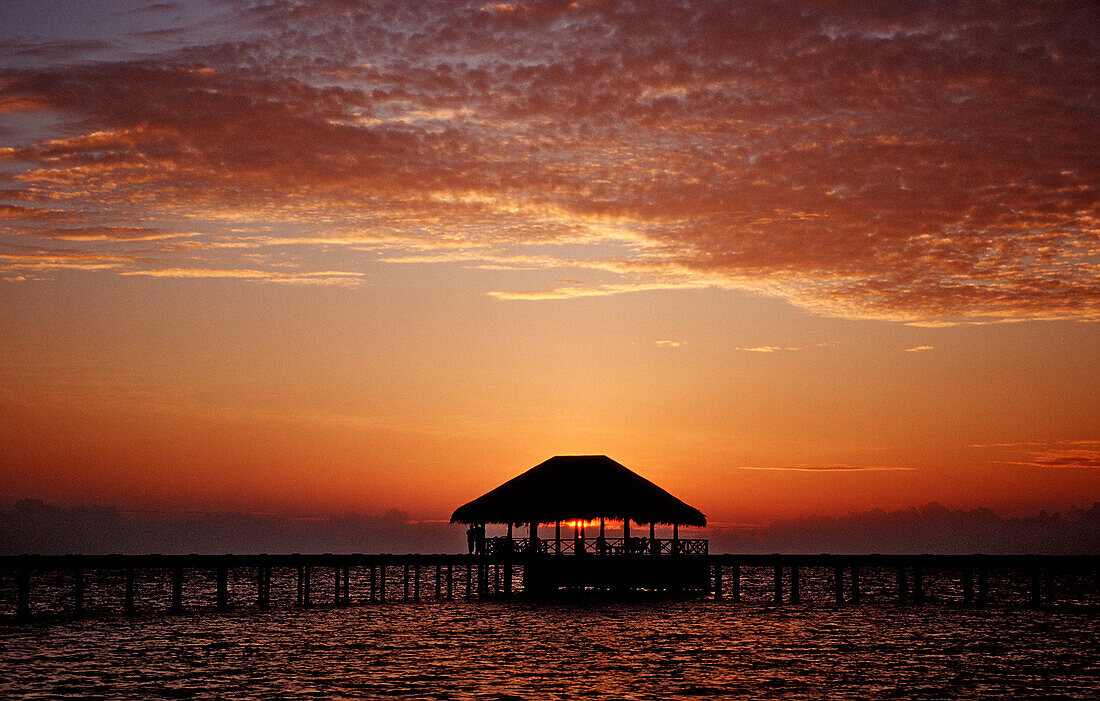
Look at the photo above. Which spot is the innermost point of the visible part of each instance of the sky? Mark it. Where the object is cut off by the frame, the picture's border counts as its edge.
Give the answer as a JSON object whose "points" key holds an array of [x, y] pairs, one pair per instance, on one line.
{"points": [[307, 258]]}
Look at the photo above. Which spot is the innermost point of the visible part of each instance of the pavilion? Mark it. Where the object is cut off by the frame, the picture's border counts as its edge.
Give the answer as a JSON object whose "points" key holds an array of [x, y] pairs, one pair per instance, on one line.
{"points": [[575, 489]]}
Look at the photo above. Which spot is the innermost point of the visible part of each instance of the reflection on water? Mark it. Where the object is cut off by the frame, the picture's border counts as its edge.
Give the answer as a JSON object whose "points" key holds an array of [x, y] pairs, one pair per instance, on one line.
{"points": [[674, 649]]}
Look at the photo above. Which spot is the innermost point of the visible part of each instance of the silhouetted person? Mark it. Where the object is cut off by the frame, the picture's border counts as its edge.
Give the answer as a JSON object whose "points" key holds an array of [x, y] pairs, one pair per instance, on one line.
{"points": [[471, 538]]}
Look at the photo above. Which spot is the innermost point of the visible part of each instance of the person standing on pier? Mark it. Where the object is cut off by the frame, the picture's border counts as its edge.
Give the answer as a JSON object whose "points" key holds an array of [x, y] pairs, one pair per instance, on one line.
{"points": [[471, 538]]}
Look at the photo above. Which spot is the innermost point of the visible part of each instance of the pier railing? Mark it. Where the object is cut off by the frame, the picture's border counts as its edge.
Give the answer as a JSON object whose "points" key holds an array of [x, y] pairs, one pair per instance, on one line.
{"points": [[503, 546]]}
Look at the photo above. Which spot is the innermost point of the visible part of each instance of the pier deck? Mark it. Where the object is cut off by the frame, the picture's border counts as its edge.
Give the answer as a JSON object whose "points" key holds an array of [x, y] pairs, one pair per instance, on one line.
{"points": [[203, 580]]}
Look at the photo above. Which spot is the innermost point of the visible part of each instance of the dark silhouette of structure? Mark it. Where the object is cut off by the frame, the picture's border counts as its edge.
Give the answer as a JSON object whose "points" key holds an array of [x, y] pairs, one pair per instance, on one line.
{"points": [[583, 489], [576, 490]]}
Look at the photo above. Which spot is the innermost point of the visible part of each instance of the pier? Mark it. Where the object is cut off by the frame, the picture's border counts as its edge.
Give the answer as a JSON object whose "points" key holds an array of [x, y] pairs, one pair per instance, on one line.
{"points": [[580, 492], [128, 584]]}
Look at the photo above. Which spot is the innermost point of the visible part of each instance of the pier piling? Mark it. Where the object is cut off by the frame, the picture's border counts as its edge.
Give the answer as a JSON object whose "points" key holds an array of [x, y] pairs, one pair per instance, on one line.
{"points": [[918, 584], [778, 584], [308, 569], [23, 593], [78, 591], [177, 590], [838, 584], [903, 584], [222, 576], [855, 584], [796, 596], [128, 601]]}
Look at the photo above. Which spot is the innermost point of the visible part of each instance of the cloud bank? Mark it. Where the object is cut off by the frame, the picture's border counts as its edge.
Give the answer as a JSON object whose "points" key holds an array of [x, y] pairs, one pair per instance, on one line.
{"points": [[913, 161]]}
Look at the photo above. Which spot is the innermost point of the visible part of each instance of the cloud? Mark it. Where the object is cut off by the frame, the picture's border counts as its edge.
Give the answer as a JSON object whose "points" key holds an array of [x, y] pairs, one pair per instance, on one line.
{"points": [[596, 291], [320, 277], [929, 167], [669, 344], [918, 349], [1070, 454], [828, 468], [767, 349]]}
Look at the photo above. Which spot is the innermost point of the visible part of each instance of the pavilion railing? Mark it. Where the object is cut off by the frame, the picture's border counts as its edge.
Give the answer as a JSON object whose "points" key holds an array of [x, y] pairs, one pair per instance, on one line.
{"points": [[596, 546]]}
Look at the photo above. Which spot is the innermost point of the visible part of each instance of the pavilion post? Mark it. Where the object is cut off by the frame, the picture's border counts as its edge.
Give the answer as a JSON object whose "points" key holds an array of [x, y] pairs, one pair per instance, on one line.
{"points": [[654, 546], [557, 537], [533, 540], [509, 545], [601, 547], [626, 536], [675, 539]]}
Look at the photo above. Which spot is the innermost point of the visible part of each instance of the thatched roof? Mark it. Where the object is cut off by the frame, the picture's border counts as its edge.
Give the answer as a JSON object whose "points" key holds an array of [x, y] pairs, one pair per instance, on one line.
{"points": [[570, 487]]}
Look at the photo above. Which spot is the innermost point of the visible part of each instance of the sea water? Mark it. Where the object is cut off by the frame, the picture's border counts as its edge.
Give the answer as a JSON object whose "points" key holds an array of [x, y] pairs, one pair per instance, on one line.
{"points": [[588, 647]]}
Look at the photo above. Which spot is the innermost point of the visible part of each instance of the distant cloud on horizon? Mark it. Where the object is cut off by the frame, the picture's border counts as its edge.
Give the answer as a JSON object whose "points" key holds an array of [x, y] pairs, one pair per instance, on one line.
{"points": [[827, 468], [767, 349], [1053, 455]]}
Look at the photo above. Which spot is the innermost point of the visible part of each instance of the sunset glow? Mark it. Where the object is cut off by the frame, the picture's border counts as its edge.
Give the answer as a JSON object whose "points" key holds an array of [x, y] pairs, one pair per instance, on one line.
{"points": [[313, 258]]}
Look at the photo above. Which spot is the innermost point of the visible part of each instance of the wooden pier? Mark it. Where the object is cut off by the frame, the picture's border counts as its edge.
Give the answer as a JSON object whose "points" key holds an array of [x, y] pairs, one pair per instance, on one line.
{"points": [[203, 581]]}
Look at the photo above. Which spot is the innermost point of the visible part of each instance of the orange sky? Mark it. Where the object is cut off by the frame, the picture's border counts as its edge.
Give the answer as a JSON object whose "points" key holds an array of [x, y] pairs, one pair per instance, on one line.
{"points": [[337, 256]]}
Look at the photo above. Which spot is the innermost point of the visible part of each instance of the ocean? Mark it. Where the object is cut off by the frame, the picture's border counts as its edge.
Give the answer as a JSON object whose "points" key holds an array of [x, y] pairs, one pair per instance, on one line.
{"points": [[589, 648]]}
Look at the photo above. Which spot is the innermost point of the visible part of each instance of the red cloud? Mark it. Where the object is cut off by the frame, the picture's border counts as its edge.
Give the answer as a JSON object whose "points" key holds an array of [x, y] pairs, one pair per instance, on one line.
{"points": [[892, 161]]}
